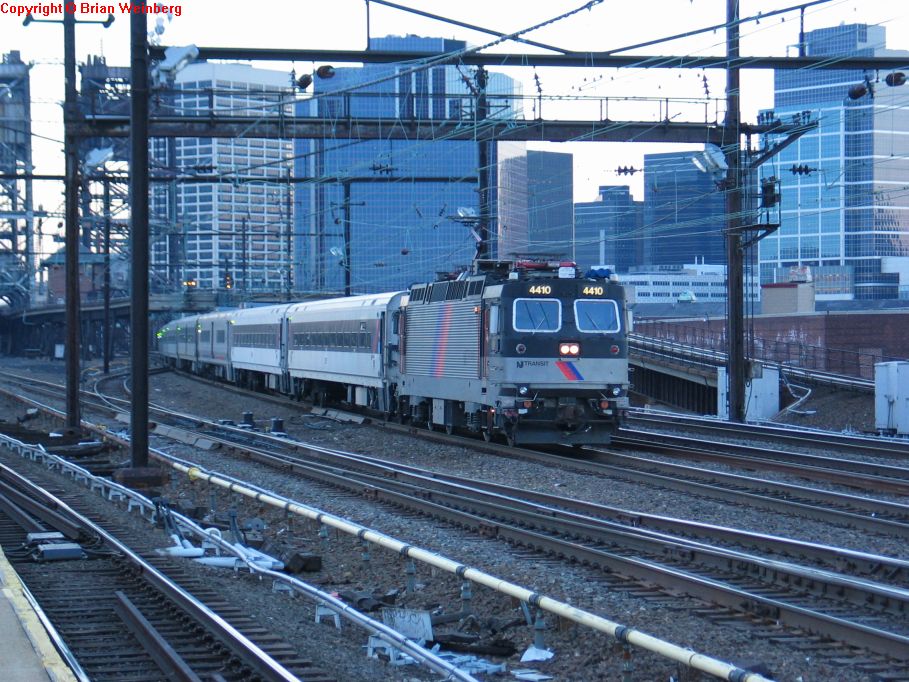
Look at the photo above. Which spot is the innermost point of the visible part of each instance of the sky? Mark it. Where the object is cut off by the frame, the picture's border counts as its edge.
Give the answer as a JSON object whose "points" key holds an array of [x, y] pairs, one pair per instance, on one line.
{"points": [[342, 25]]}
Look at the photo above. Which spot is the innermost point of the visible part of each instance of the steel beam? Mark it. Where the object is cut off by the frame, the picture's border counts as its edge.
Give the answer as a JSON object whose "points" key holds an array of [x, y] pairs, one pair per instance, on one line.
{"points": [[735, 287], [71, 192], [397, 129], [574, 59], [138, 201]]}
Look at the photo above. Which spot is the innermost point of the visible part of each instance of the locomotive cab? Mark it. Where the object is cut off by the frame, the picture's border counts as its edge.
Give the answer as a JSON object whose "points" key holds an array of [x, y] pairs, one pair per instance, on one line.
{"points": [[557, 354]]}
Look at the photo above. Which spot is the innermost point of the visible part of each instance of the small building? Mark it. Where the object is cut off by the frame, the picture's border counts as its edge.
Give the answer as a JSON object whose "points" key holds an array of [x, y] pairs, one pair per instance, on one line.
{"points": [[787, 297], [697, 283], [91, 276]]}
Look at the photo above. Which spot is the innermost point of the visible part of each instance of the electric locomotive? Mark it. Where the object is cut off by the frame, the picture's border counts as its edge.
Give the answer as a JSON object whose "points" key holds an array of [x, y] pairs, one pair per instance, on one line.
{"points": [[526, 349]]}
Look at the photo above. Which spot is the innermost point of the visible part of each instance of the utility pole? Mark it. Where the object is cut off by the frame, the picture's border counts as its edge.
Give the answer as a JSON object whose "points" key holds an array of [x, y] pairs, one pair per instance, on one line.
{"points": [[244, 258], [106, 350], [73, 337], [345, 205], [288, 275], [138, 201], [71, 190], [735, 289], [347, 238], [483, 168]]}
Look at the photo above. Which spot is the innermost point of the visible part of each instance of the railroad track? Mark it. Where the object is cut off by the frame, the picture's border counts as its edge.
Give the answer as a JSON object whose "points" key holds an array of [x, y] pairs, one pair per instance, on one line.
{"points": [[643, 421], [117, 611], [849, 473], [750, 585], [744, 583], [846, 510]]}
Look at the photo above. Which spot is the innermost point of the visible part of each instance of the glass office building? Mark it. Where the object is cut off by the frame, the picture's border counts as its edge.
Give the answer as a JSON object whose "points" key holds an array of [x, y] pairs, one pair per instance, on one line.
{"points": [[550, 202], [684, 211], [382, 214], [844, 203], [608, 231]]}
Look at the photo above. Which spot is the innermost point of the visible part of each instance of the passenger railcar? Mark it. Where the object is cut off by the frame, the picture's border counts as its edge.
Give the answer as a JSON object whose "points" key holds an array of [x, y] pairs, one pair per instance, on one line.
{"points": [[213, 351], [337, 346], [258, 347], [527, 350]]}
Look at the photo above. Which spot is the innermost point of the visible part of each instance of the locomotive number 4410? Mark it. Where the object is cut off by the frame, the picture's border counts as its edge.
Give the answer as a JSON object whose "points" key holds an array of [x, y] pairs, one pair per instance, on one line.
{"points": [[540, 289], [592, 291]]}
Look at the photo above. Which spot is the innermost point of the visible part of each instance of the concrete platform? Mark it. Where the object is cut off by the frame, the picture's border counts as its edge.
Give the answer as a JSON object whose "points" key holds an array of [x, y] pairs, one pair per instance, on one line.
{"points": [[26, 651]]}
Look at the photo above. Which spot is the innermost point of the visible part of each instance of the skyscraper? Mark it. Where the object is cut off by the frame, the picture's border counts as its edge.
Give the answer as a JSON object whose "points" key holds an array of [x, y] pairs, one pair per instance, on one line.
{"points": [[550, 203], [844, 204], [684, 212], [236, 232], [380, 214], [607, 231]]}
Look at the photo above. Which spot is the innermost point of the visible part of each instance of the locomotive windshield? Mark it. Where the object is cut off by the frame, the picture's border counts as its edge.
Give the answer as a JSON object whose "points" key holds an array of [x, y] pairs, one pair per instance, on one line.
{"points": [[597, 316], [537, 315]]}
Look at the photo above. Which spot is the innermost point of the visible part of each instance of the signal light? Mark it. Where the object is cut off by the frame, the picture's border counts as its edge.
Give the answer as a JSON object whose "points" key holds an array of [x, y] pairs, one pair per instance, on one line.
{"points": [[895, 79]]}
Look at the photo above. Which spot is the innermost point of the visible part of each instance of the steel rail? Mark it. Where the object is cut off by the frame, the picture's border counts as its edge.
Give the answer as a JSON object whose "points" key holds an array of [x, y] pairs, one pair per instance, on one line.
{"points": [[496, 506], [874, 639], [872, 520], [624, 518], [845, 472], [250, 653], [863, 444]]}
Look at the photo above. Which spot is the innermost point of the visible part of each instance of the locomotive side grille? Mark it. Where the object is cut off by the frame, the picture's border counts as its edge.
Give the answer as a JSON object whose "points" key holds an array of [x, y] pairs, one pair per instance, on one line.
{"points": [[443, 340]]}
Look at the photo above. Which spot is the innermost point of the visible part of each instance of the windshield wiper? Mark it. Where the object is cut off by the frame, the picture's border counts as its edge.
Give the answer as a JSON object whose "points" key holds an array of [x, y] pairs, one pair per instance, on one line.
{"points": [[592, 321]]}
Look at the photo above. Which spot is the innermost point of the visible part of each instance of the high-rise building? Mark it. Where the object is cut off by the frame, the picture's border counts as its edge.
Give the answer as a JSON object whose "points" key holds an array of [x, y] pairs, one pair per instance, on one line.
{"points": [[550, 203], [236, 232], [844, 204], [608, 231], [684, 211], [376, 215]]}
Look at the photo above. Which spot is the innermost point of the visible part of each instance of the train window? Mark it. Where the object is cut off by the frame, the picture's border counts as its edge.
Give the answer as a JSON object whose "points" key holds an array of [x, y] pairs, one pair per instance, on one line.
{"points": [[220, 336], [537, 315], [600, 316]]}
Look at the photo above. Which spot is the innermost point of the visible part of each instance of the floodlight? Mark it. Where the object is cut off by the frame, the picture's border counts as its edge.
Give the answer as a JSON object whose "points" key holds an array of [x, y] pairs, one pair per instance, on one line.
{"points": [[98, 157], [175, 60]]}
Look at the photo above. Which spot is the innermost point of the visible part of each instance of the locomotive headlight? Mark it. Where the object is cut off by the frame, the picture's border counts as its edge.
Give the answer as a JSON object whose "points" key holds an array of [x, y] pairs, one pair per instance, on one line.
{"points": [[523, 390], [569, 348], [616, 390]]}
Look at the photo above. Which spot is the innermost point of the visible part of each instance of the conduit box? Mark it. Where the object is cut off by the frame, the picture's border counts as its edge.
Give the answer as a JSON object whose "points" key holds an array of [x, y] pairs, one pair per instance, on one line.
{"points": [[41, 538], [58, 551]]}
